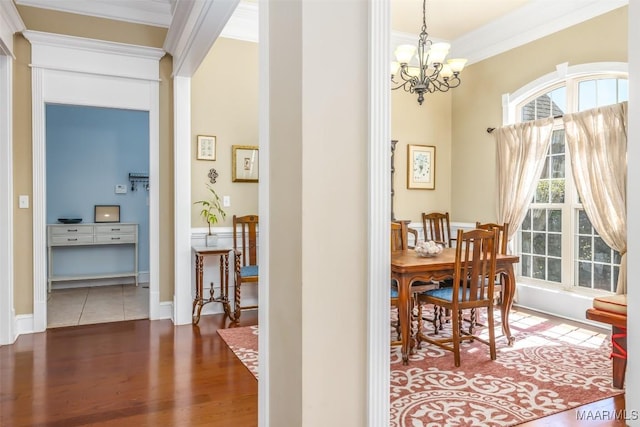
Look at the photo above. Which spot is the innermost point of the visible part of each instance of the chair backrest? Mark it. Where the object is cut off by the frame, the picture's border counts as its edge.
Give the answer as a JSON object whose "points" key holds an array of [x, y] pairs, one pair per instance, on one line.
{"points": [[436, 227], [248, 225], [399, 241], [503, 234], [475, 263]]}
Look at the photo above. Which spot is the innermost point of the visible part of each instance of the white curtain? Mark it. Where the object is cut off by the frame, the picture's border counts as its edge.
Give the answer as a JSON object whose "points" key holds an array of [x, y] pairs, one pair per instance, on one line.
{"points": [[597, 141], [521, 151]]}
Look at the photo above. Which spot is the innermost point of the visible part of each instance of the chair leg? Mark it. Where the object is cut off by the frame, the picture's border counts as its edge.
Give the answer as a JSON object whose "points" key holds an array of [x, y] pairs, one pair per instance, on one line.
{"points": [[492, 333], [457, 321]]}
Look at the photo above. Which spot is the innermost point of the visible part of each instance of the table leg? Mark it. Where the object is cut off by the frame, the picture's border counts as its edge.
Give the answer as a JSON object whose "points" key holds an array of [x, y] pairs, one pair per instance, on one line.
{"points": [[224, 286], [237, 283], [507, 301], [404, 317], [198, 301]]}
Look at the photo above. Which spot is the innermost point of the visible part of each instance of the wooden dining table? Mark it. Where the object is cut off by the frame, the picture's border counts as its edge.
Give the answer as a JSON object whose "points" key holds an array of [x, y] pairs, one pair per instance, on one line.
{"points": [[408, 267]]}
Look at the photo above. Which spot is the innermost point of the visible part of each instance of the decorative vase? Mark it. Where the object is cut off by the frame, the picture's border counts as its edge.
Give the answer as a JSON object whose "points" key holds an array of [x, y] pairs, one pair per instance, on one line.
{"points": [[212, 240]]}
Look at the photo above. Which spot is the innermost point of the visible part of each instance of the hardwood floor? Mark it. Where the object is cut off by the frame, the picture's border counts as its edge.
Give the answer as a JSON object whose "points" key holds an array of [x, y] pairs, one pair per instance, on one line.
{"points": [[133, 373], [143, 373]]}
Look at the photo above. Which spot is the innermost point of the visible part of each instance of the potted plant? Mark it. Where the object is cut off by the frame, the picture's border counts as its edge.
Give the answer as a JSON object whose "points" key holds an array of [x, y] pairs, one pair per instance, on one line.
{"points": [[211, 212]]}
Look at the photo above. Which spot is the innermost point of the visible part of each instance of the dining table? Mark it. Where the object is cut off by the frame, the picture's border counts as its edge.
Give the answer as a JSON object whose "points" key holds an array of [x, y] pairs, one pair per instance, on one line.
{"points": [[408, 267]]}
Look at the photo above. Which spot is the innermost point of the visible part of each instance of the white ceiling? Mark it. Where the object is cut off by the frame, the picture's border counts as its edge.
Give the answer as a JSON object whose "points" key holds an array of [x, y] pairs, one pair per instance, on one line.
{"points": [[448, 19], [477, 29]]}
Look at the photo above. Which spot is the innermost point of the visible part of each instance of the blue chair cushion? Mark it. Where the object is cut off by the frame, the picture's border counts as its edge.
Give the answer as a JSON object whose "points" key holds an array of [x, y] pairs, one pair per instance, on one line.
{"points": [[446, 294], [394, 293], [248, 271]]}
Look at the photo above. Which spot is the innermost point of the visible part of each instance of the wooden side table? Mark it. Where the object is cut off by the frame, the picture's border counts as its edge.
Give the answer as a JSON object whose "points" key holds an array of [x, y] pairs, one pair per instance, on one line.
{"points": [[223, 253]]}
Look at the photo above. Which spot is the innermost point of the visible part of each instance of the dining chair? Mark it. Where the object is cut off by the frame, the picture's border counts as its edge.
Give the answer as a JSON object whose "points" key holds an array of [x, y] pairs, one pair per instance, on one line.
{"points": [[246, 265], [503, 241], [473, 284], [436, 227]]}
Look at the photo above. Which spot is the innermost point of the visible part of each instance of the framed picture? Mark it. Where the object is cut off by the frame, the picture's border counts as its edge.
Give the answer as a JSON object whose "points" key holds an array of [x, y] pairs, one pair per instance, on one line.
{"points": [[206, 147], [421, 167], [244, 167], [107, 213]]}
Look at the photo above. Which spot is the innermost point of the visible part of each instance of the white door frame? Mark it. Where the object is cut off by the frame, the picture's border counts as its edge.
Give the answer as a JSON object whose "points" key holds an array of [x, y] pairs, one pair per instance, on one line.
{"points": [[79, 71]]}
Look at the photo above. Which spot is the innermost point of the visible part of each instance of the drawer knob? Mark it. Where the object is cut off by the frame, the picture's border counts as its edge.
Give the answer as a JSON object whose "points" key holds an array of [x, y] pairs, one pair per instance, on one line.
{"points": [[72, 230], [115, 238], [72, 240], [115, 229]]}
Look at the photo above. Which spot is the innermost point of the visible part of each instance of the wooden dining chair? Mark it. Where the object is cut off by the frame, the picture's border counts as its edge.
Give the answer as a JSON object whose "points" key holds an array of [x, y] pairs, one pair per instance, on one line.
{"points": [[473, 284], [503, 240], [246, 265], [399, 242], [436, 227]]}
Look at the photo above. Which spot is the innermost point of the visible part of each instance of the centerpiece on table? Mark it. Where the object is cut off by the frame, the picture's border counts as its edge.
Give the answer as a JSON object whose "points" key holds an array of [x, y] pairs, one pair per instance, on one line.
{"points": [[428, 248]]}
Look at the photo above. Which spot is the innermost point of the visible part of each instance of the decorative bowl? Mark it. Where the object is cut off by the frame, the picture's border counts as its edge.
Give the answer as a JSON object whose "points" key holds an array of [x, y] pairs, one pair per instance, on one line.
{"points": [[69, 220], [428, 249]]}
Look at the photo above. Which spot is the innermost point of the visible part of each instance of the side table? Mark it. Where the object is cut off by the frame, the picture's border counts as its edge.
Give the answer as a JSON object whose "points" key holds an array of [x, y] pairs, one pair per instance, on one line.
{"points": [[223, 253]]}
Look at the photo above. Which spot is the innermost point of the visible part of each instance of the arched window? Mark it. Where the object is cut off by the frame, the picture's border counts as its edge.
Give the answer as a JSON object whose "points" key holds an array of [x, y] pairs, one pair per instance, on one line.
{"points": [[556, 242]]}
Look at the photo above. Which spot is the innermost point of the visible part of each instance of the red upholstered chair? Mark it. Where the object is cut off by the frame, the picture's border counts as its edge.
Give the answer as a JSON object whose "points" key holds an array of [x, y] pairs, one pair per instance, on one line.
{"points": [[612, 310]]}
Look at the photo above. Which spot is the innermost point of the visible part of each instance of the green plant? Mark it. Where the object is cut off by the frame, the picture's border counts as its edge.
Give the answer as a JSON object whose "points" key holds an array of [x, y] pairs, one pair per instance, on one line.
{"points": [[211, 208]]}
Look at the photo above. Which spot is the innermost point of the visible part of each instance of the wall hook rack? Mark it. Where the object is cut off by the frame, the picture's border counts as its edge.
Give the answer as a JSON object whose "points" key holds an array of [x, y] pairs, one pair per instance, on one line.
{"points": [[136, 178]]}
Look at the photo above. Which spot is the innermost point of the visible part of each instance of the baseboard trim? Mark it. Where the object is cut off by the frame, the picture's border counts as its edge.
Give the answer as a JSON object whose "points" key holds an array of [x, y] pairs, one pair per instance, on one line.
{"points": [[24, 325], [165, 311]]}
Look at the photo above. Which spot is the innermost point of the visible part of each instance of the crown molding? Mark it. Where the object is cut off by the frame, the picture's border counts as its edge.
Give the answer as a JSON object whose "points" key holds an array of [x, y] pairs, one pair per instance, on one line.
{"points": [[195, 27], [147, 12], [10, 23], [92, 45], [535, 20], [243, 24]]}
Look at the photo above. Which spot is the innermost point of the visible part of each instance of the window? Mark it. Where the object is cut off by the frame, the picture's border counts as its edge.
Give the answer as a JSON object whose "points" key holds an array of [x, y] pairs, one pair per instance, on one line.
{"points": [[556, 241]]}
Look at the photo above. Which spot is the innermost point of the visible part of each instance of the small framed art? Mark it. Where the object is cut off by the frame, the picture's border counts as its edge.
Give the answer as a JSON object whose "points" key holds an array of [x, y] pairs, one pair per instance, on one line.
{"points": [[421, 167], [107, 213], [206, 147], [245, 163]]}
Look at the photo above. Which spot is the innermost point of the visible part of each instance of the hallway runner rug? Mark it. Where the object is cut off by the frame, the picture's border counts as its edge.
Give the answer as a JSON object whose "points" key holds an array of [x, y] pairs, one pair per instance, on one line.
{"points": [[553, 366]]}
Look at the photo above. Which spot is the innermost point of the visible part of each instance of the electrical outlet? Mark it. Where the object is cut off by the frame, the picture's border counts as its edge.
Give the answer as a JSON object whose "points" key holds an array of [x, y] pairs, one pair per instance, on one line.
{"points": [[121, 189], [226, 201]]}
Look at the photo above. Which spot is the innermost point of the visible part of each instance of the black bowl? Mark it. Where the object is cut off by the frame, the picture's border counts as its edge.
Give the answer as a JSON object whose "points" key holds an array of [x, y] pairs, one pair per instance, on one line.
{"points": [[69, 220]]}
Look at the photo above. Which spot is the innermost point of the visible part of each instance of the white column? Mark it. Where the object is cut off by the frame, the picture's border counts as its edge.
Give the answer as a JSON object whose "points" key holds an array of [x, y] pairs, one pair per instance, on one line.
{"points": [[184, 271]]}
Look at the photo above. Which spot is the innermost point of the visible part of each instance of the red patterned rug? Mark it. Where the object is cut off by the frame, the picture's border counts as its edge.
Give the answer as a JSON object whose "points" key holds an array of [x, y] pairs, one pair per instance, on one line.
{"points": [[553, 366]]}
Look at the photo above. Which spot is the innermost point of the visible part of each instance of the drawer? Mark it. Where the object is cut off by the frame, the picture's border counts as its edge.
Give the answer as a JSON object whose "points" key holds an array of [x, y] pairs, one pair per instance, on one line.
{"points": [[79, 239], [115, 229], [72, 229], [115, 238]]}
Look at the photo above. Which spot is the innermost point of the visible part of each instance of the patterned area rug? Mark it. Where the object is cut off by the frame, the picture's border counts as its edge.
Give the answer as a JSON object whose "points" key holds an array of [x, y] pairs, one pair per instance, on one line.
{"points": [[552, 367]]}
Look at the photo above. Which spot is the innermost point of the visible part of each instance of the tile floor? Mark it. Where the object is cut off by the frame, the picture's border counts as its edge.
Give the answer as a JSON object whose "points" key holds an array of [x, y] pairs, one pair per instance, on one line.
{"points": [[99, 304]]}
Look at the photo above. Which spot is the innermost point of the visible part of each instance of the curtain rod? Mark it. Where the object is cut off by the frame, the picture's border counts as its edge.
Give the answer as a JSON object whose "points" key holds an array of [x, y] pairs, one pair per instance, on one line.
{"points": [[489, 130]]}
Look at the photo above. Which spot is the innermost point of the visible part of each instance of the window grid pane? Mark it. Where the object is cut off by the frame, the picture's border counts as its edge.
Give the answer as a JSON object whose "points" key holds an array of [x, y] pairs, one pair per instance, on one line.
{"points": [[542, 248], [597, 265]]}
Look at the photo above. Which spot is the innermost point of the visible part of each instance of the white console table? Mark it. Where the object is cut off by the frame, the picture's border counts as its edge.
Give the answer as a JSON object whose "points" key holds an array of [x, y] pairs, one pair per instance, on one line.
{"points": [[92, 235]]}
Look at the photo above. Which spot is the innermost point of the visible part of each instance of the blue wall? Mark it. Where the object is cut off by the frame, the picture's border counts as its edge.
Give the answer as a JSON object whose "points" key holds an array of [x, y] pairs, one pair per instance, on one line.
{"points": [[89, 151]]}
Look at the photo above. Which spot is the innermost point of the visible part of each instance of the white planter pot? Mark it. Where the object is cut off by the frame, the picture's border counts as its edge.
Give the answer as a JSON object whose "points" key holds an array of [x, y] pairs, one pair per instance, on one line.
{"points": [[212, 240]]}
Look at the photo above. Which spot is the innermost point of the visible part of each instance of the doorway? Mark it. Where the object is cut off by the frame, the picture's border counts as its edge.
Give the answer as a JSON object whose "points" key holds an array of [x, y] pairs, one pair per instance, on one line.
{"points": [[97, 159]]}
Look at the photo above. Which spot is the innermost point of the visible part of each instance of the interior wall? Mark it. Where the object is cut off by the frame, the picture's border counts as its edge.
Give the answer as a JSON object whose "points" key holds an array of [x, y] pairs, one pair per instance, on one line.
{"points": [[477, 103], [224, 104], [426, 124], [103, 29]]}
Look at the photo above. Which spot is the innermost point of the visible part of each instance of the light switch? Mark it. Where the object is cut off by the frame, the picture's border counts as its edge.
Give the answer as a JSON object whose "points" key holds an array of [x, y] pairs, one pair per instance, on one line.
{"points": [[23, 201], [121, 189], [226, 201]]}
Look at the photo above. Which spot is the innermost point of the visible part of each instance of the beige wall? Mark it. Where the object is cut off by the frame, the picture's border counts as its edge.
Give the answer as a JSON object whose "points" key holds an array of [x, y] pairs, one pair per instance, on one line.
{"points": [[224, 103], [102, 29], [477, 103], [426, 124]]}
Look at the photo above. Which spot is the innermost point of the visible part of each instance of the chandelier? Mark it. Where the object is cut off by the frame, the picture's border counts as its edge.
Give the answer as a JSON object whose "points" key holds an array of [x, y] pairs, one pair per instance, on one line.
{"points": [[431, 74]]}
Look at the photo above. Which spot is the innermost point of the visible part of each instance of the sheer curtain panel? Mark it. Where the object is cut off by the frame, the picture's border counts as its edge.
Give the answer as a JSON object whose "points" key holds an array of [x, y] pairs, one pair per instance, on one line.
{"points": [[597, 141]]}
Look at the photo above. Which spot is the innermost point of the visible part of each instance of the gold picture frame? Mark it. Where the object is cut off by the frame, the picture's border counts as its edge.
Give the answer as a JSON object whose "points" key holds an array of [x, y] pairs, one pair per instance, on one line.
{"points": [[421, 167], [244, 166], [206, 149]]}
